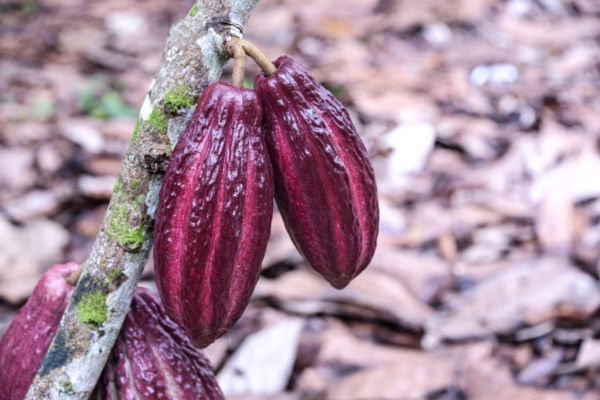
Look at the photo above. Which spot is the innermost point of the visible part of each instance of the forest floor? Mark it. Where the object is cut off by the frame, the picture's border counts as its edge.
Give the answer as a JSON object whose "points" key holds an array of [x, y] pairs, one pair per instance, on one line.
{"points": [[482, 119]]}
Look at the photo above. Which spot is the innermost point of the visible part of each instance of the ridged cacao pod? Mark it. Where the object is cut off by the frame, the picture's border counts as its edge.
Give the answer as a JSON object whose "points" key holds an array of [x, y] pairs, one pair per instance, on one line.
{"points": [[25, 343], [214, 214], [324, 182], [154, 359]]}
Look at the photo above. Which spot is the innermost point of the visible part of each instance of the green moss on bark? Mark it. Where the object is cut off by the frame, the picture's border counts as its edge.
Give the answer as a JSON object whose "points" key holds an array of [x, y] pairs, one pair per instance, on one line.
{"points": [[112, 275], [67, 387], [92, 309], [118, 185], [157, 121], [119, 226], [194, 10], [178, 98], [136, 131]]}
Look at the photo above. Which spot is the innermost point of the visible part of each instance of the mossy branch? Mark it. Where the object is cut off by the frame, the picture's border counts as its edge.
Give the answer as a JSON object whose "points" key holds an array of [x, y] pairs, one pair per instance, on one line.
{"points": [[193, 58]]}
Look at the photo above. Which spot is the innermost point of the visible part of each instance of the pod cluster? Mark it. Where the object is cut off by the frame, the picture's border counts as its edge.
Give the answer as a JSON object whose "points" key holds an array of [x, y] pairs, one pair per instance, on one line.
{"points": [[153, 357], [290, 139]]}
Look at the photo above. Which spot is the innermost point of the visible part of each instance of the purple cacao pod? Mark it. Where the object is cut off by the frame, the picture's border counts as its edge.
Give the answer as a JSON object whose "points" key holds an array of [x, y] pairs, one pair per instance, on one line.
{"points": [[25, 343], [214, 214], [324, 183], [154, 359]]}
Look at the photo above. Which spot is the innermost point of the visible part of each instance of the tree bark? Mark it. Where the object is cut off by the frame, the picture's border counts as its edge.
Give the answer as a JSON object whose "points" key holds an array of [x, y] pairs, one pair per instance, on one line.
{"points": [[193, 58]]}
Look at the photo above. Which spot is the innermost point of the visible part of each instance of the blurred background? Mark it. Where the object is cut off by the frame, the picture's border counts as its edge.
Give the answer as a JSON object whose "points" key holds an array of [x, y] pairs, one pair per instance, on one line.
{"points": [[482, 119]]}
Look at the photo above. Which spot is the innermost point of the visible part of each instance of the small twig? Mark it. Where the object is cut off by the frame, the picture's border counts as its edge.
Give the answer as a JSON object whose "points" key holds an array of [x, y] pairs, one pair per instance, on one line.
{"points": [[259, 57]]}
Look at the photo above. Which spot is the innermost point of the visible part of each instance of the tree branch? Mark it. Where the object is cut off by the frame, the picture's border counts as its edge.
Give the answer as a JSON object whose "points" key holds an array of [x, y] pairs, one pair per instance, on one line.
{"points": [[193, 58]]}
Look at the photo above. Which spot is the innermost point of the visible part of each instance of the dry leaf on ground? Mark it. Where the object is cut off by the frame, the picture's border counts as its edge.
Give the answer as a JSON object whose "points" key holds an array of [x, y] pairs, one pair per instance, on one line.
{"points": [[525, 294]]}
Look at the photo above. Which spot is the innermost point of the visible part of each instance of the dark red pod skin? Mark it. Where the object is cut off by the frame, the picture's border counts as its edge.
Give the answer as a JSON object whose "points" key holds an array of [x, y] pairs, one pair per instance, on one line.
{"points": [[324, 183], [25, 343], [154, 359], [214, 214]]}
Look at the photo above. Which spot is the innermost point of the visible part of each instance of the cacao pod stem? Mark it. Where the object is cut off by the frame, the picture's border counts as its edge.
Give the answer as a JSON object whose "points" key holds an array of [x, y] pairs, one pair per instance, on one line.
{"points": [[259, 57], [236, 51]]}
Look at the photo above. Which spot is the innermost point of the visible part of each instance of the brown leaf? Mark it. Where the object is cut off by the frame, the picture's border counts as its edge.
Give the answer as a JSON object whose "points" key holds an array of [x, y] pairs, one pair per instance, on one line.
{"points": [[97, 187], [357, 362], [529, 293], [539, 371], [370, 295], [485, 378], [103, 165], [558, 224], [280, 247], [589, 354], [16, 169], [405, 379], [425, 276], [35, 204], [263, 363], [24, 253]]}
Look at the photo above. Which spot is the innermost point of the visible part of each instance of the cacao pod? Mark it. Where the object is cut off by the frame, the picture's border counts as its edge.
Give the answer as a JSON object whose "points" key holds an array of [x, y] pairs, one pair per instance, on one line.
{"points": [[25, 343], [214, 214], [324, 183], [154, 359]]}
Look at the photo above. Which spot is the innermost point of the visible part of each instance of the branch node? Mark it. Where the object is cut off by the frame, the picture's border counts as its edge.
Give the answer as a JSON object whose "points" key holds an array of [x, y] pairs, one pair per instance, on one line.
{"points": [[226, 27]]}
